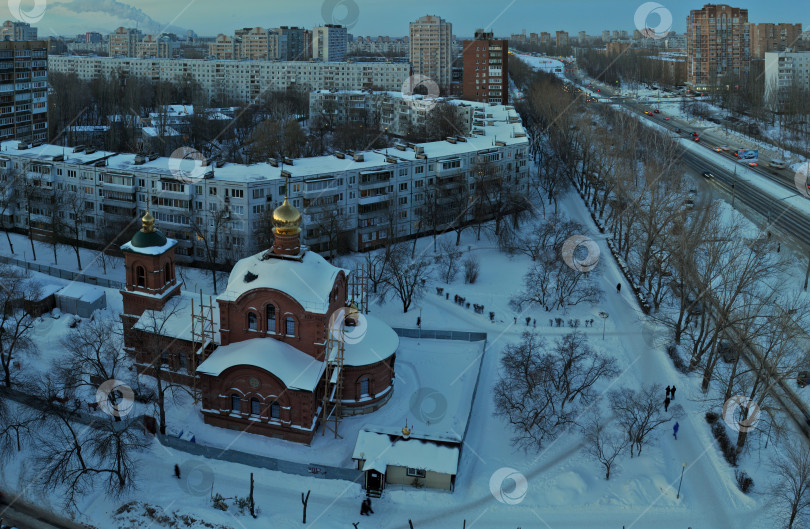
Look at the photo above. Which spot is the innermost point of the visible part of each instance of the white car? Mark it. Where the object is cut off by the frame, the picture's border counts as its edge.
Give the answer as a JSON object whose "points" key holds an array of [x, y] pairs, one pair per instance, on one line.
{"points": [[777, 164]]}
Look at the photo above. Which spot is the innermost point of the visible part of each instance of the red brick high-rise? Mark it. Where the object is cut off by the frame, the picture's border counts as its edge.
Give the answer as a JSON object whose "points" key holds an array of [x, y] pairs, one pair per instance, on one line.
{"points": [[718, 45], [486, 69]]}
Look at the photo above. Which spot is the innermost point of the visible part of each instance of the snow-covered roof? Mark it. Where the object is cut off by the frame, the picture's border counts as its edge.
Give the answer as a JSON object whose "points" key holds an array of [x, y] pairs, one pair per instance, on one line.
{"points": [[177, 314], [309, 281], [370, 342], [381, 450], [295, 369], [154, 132], [149, 250], [82, 291]]}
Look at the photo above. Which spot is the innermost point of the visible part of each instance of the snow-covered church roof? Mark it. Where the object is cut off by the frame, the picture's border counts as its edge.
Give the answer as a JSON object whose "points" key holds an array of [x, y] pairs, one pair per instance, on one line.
{"points": [[308, 281], [295, 369]]}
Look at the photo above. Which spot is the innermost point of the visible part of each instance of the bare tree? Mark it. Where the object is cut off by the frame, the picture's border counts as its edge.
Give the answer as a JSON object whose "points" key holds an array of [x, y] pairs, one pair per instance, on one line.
{"points": [[10, 183], [640, 412], [16, 424], [406, 277], [77, 207], [554, 284], [210, 235], [605, 444], [448, 262], [543, 389], [16, 324], [95, 352], [792, 490]]}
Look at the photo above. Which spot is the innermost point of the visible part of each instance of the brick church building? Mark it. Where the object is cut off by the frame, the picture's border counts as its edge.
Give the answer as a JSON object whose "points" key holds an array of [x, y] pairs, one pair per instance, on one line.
{"points": [[284, 324]]}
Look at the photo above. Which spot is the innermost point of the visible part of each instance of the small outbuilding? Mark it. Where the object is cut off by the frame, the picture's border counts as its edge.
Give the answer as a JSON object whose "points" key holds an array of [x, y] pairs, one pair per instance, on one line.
{"points": [[81, 299]]}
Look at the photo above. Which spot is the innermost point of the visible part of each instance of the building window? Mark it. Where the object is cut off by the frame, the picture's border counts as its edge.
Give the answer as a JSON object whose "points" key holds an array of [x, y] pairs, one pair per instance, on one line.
{"points": [[271, 318], [140, 274], [255, 407], [236, 404], [289, 326], [415, 472], [252, 321], [364, 387], [275, 411]]}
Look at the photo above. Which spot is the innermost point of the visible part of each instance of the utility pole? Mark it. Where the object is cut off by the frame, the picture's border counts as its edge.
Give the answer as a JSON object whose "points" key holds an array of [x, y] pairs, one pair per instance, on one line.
{"points": [[807, 274], [734, 186]]}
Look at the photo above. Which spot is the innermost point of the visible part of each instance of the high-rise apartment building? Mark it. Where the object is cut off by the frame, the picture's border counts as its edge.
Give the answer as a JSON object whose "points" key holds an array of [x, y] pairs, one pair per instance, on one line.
{"points": [[24, 90], [718, 45], [225, 47], [157, 47], [124, 42], [12, 30], [767, 37], [431, 39], [329, 43], [486, 69], [92, 37], [786, 73], [562, 39], [259, 44], [298, 42], [545, 38]]}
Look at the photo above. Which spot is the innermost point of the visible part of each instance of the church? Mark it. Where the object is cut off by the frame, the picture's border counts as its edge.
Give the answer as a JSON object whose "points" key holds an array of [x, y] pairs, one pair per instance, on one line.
{"points": [[289, 350]]}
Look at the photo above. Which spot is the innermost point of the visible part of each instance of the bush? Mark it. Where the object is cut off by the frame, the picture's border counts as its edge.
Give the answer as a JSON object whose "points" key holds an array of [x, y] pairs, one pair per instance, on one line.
{"points": [[744, 481], [677, 361], [712, 417], [471, 269], [728, 448]]}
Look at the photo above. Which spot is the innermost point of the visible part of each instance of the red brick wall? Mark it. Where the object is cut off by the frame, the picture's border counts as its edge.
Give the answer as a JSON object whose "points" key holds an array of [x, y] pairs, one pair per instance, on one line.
{"points": [[380, 375]]}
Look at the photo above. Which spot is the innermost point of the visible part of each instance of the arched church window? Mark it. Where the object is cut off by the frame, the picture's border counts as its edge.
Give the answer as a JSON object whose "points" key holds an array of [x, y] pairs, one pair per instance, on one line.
{"points": [[364, 386], [289, 326], [255, 406], [140, 276], [275, 411], [271, 318], [236, 404], [252, 321]]}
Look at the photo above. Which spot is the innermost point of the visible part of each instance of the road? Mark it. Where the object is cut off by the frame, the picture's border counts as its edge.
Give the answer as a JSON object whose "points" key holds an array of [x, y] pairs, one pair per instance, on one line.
{"points": [[23, 515]]}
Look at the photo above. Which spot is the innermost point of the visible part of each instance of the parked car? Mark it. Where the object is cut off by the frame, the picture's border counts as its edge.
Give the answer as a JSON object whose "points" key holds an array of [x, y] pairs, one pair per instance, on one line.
{"points": [[803, 378]]}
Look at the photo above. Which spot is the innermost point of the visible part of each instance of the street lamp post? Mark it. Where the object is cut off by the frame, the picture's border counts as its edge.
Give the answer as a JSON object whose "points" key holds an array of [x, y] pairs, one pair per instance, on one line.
{"points": [[683, 468], [604, 316]]}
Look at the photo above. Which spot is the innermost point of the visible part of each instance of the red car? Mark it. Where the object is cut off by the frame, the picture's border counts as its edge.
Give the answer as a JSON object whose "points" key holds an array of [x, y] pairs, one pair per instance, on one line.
{"points": [[696, 138], [657, 111]]}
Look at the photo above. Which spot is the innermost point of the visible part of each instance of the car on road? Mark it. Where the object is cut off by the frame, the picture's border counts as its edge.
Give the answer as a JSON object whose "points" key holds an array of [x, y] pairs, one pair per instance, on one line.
{"points": [[678, 130], [656, 111], [647, 113], [707, 174], [777, 164], [693, 133], [695, 137], [721, 148]]}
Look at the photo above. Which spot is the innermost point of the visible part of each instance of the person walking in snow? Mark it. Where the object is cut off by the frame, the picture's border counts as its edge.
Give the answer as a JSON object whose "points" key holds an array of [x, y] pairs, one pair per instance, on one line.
{"points": [[618, 288], [177, 471], [675, 430], [666, 404], [668, 390], [365, 508], [672, 391]]}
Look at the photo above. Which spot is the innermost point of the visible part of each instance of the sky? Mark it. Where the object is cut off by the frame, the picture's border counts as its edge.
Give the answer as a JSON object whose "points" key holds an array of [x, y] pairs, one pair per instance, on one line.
{"points": [[374, 17]]}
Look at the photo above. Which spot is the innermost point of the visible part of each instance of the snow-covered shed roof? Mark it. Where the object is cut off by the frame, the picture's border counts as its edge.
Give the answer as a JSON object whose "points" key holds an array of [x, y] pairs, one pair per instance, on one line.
{"points": [[308, 281], [381, 450], [82, 291], [295, 369]]}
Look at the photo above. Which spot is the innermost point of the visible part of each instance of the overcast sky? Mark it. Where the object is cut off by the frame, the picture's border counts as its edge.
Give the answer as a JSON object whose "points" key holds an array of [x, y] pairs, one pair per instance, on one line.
{"points": [[372, 17]]}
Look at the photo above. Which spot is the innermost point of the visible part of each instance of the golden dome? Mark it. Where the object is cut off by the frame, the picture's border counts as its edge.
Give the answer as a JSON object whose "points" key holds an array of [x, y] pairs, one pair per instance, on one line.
{"points": [[148, 222], [287, 219]]}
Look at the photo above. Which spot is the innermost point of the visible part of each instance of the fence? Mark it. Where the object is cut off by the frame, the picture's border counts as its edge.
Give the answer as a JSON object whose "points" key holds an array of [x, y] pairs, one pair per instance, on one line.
{"points": [[439, 334], [62, 274], [256, 461]]}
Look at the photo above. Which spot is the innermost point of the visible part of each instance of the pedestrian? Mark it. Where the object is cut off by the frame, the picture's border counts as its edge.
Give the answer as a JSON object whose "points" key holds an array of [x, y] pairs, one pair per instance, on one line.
{"points": [[515, 320], [550, 322], [668, 390], [534, 322], [673, 392], [419, 321], [364, 509], [177, 471], [778, 247], [528, 320], [666, 404], [618, 288], [368, 505], [675, 431]]}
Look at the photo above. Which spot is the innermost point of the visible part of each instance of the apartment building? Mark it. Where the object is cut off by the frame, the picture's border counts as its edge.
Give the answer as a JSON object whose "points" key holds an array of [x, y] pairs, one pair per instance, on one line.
{"points": [[395, 112], [767, 37], [378, 46], [13, 30], [24, 90], [123, 42], [157, 47], [259, 44], [562, 39], [329, 43], [368, 197], [545, 38], [242, 80], [486, 69], [718, 45], [786, 71], [431, 50], [298, 43], [225, 48]]}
